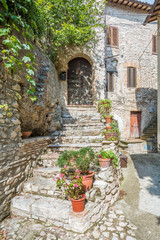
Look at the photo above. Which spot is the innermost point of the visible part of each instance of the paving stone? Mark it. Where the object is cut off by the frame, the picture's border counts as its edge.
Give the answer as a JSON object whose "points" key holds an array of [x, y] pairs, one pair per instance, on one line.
{"points": [[130, 238], [122, 224], [106, 234], [109, 224], [96, 234]]}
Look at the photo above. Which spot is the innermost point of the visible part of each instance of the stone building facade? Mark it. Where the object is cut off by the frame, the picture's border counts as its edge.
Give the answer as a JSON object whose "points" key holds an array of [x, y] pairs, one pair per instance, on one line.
{"points": [[87, 70], [110, 62]]}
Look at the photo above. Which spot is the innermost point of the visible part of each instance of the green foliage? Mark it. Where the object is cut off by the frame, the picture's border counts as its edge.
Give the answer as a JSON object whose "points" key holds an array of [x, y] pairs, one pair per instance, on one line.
{"points": [[80, 159], [66, 157], [15, 19], [104, 107], [67, 23], [110, 154], [7, 109], [55, 24]]}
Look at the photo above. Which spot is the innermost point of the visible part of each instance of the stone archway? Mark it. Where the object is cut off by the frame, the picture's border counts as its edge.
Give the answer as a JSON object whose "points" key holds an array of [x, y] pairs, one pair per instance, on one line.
{"points": [[79, 82]]}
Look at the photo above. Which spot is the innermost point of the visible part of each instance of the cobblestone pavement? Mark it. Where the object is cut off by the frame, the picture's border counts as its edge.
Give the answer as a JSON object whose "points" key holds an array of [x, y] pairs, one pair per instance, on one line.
{"points": [[113, 226]]}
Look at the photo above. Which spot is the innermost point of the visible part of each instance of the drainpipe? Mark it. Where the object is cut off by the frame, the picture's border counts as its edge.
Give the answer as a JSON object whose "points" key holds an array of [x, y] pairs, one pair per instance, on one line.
{"points": [[105, 51], [158, 90]]}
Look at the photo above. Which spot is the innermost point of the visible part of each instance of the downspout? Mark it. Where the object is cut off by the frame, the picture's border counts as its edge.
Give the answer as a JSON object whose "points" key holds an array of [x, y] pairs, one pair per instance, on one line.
{"points": [[105, 51]]}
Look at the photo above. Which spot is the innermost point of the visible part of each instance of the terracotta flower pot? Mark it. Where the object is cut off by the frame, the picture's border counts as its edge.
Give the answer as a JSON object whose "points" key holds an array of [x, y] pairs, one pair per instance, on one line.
{"points": [[26, 134], [104, 162], [108, 119], [88, 181], [108, 128], [78, 205], [109, 135]]}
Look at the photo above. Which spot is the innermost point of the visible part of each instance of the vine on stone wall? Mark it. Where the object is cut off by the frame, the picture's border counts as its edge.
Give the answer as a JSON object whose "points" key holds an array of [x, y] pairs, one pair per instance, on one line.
{"points": [[53, 24]]}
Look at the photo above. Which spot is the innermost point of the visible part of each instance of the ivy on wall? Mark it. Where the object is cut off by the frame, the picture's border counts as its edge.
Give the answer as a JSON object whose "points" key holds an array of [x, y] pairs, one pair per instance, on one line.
{"points": [[52, 24]]}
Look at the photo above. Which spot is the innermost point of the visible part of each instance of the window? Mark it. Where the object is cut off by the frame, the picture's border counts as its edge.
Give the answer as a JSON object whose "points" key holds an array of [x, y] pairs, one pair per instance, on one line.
{"points": [[112, 36], [131, 77], [154, 44], [110, 85]]}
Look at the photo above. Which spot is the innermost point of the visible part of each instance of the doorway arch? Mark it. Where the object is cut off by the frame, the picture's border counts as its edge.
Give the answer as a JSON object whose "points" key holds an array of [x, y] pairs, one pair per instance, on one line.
{"points": [[79, 79]]}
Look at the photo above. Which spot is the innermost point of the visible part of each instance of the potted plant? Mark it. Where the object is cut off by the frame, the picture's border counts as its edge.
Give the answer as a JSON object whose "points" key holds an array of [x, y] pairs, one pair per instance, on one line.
{"points": [[26, 132], [72, 188], [109, 119], [104, 108], [106, 158], [81, 159]]}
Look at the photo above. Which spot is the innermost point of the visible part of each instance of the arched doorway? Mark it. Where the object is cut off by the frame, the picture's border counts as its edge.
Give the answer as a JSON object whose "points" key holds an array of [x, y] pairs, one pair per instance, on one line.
{"points": [[79, 82]]}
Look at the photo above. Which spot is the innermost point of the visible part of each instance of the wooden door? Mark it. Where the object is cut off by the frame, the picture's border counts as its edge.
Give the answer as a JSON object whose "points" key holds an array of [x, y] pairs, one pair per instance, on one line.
{"points": [[135, 124], [79, 82]]}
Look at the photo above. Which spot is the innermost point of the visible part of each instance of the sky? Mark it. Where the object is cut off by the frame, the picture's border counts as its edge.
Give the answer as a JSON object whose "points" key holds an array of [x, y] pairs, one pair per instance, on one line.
{"points": [[148, 1]]}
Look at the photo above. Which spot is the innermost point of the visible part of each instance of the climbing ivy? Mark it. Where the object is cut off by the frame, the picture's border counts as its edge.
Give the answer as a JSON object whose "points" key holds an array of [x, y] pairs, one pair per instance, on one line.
{"points": [[53, 24]]}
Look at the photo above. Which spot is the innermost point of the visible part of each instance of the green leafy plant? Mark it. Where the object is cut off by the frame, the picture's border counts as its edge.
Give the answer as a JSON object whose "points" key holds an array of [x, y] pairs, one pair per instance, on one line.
{"points": [[81, 159], [109, 154], [104, 107], [73, 186], [66, 157]]}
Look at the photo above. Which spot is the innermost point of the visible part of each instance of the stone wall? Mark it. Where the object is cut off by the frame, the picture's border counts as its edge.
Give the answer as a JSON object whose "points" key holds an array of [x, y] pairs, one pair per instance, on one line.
{"points": [[18, 157], [134, 50], [16, 168]]}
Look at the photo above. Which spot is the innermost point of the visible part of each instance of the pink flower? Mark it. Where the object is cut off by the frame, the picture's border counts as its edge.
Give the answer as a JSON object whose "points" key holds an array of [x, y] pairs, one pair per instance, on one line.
{"points": [[65, 166], [77, 171], [54, 179], [84, 177], [77, 177], [99, 156], [71, 160], [61, 175], [75, 185], [58, 178]]}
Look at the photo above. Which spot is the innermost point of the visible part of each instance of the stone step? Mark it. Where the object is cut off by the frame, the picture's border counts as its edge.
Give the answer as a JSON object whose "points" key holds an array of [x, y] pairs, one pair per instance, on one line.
{"points": [[84, 126], [49, 159], [84, 121], [48, 172], [42, 186], [55, 210], [69, 146], [79, 139], [82, 132]]}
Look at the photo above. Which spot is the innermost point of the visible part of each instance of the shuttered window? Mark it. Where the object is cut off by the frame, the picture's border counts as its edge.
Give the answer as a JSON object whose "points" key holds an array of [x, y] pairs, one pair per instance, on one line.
{"points": [[112, 36], [154, 44], [110, 86], [131, 77]]}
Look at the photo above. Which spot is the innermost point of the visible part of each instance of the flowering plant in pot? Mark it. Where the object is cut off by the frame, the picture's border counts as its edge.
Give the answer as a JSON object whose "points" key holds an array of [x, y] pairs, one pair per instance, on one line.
{"points": [[82, 160], [104, 107], [108, 157], [72, 188]]}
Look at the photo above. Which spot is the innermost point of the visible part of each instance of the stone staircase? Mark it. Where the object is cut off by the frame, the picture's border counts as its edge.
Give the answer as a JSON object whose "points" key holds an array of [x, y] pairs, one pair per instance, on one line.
{"points": [[41, 200], [150, 134], [81, 126]]}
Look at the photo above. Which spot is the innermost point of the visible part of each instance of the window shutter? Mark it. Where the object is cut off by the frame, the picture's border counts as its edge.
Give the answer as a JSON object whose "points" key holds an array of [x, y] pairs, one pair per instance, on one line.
{"points": [[134, 77], [112, 36], [109, 36], [128, 77], [115, 36], [154, 44], [110, 87], [131, 77]]}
